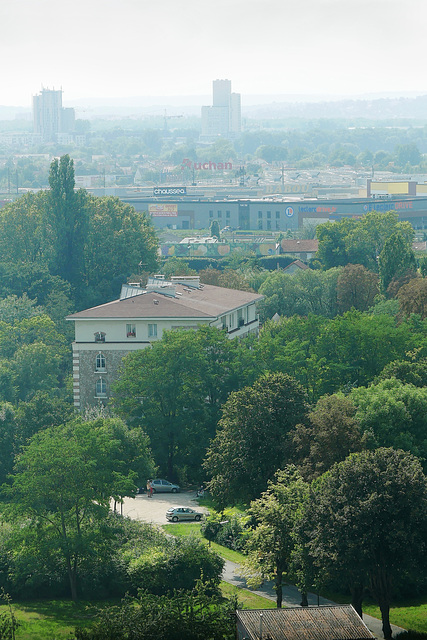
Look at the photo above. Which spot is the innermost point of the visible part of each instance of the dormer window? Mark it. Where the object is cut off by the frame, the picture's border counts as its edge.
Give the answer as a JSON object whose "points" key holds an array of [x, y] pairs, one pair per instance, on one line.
{"points": [[99, 336], [130, 331]]}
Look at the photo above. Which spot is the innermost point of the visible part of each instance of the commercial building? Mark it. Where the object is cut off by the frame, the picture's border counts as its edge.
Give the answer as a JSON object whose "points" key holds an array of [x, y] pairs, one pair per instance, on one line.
{"points": [[106, 333], [224, 117], [270, 213]]}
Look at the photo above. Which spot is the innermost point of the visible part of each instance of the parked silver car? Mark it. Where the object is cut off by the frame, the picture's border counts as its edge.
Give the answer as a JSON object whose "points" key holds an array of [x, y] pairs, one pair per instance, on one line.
{"points": [[164, 486], [179, 514]]}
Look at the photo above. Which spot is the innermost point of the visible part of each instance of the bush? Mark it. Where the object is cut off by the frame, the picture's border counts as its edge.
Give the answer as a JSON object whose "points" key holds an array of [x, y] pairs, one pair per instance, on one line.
{"points": [[194, 615], [227, 529], [177, 564], [125, 556]]}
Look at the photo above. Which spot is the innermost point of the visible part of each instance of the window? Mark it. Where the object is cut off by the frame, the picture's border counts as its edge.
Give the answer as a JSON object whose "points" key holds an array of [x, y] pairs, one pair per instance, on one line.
{"points": [[227, 214], [259, 224], [268, 214], [277, 225], [268, 224], [152, 331], [210, 213], [130, 331], [277, 215], [100, 362], [259, 214], [101, 388], [99, 336], [219, 214]]}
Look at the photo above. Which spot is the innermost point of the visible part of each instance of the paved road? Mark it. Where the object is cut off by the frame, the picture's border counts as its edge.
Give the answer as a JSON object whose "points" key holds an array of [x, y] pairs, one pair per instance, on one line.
{"points": [[154, 510]]}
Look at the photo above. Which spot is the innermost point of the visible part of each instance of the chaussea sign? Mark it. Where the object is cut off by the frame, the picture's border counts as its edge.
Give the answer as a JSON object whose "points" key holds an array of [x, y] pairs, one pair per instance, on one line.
{"points": [[169, 191]]}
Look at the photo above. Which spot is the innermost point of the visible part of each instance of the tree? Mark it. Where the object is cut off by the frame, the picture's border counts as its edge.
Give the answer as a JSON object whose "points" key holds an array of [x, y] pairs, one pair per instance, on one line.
{"points": [[356, 346], [174, 391], [68, 221], [413, 297], [305, 292], [63, 481], [120, 241], [359, 241], [23, 237], [43, 410], [7, 440], [393, 414], [251, 441], [408, 372], [356, 288], [214, 230], [366, 522], [395, 260], [270, 544], [331, 434]]}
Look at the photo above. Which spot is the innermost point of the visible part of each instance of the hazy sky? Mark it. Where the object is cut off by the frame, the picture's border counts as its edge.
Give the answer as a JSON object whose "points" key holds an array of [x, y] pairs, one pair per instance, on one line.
{"points": [[120, 48]]}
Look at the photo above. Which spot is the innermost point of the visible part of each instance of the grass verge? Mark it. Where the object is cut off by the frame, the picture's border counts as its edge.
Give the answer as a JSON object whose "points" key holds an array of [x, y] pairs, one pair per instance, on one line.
{"points": [[187, 529], [246, 599]]}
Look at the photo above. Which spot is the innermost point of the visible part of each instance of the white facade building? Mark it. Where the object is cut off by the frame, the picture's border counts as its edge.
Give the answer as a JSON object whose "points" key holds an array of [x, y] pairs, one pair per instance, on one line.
{"points": [[50, 118], [105, 334], [223, 118]]}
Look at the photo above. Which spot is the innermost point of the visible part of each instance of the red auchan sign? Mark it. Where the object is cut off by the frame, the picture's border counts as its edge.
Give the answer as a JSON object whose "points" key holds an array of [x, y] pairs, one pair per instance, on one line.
{"points": [[206, 166]]}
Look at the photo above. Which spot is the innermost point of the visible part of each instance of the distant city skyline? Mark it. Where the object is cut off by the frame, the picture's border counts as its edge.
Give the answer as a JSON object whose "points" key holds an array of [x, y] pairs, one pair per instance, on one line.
{"points": [[105, 50]]}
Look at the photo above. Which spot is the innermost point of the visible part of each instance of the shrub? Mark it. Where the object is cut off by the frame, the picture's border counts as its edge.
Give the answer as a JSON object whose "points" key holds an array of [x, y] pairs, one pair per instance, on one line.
{"points": [[227, 529]]}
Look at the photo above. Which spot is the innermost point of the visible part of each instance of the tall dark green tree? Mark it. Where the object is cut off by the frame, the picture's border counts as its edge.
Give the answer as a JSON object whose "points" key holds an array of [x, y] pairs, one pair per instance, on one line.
{"points": [[251, 442], [365, 523], [396, 260], [68, 220], [271, 542]]}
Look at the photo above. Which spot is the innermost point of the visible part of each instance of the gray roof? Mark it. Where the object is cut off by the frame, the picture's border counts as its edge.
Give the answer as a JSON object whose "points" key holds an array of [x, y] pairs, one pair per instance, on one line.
{"points": [[204, 303], [304, 623]]}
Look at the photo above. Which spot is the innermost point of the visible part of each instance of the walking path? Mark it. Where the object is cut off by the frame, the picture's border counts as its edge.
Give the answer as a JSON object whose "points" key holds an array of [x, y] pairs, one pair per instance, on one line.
{"points": [[292, 597], [154, 510]]}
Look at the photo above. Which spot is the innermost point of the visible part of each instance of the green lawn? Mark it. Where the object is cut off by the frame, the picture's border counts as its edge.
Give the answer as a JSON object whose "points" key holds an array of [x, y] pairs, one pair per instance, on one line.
{"points": [[412, 616], [53, 619], [189, 528]]}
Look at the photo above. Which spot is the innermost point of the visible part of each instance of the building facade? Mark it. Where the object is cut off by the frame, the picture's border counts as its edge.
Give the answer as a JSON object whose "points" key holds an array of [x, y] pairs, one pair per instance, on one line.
{"points": [[105, 334], [50, 118], [224, 117], [270, 213]]}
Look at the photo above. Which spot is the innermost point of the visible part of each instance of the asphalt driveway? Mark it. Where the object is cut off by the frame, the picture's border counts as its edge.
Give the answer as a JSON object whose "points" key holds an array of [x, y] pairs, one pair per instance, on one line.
{"points": [[154, 509]]}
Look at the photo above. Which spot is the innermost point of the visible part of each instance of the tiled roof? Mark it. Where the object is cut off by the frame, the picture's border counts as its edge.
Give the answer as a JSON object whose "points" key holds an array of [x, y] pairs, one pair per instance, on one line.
{"points": [[305, 623], [297, 246], [206, 302]]}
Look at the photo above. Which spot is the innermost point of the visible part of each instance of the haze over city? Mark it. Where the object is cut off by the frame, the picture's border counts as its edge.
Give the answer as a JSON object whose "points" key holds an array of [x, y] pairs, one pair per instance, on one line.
{"points": [[106, 50]]}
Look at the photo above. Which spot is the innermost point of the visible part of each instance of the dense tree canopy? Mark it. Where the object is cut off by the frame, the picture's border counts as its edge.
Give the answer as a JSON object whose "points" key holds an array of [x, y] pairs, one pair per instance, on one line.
{"points": [[331, 433], [64, 480], [175, 391], [393, 414], [251, 441], [366, 522], [91, 243], [359, 241]]}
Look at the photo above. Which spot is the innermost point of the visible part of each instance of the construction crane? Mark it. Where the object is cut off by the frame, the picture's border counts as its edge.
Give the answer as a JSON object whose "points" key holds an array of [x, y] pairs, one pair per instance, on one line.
{"points": [[166, 118]]}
